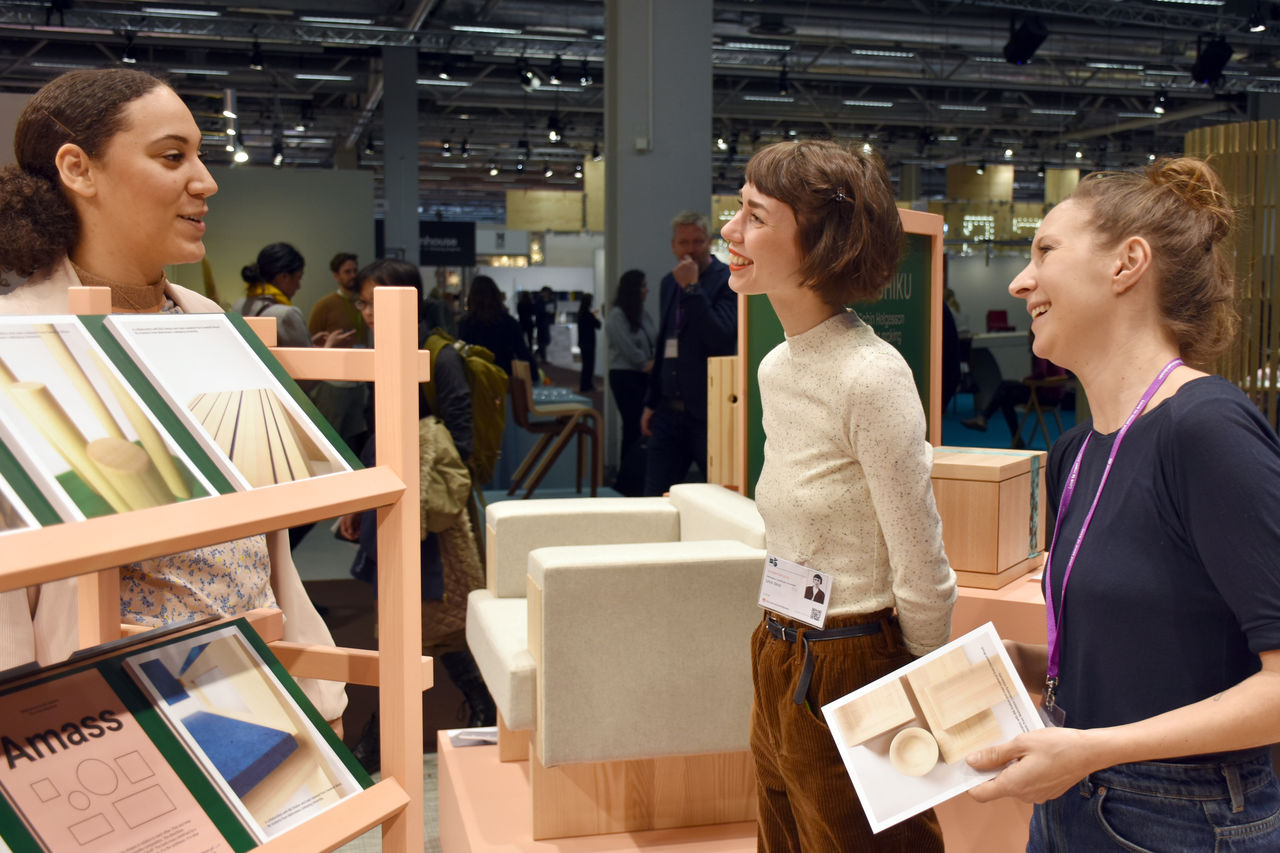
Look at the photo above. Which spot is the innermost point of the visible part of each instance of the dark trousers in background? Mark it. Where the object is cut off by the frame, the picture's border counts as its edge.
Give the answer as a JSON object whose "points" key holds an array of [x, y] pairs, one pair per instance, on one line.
{"points": [[807, 801], [587, 382], [629, 387], [678, 441]]}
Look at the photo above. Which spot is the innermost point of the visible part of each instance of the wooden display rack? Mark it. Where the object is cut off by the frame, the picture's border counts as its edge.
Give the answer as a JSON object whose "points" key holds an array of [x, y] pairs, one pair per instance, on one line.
{"points": [[98, 545]]}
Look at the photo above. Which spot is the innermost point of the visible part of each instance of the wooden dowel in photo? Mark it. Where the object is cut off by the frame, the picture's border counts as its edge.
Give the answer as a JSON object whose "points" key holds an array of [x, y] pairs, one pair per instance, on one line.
{"points": [[74, 371], [148, 435], [46, 414], [131, 471]]}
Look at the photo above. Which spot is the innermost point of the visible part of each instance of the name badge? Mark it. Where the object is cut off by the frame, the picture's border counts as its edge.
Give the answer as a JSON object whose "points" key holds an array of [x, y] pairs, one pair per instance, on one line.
{"points": [[672, 348], [789, 589]]}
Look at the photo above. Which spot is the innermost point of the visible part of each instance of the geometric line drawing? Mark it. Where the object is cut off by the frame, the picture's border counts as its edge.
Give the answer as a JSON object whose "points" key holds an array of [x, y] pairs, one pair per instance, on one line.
{"points": [[45, 790], [90, 830], [134, 766], [97, 777], [79, 801], [148, 804]]}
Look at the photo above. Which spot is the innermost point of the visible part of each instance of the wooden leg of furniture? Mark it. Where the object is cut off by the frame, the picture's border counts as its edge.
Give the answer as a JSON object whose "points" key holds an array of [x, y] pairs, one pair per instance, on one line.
{"points": [[642, 794], [98, 600], [569, 426], [512, 745], [528, 462]]}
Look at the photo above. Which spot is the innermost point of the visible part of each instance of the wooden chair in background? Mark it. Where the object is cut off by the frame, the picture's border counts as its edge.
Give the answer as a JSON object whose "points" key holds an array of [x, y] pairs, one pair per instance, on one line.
{"points": [[555, 424]]}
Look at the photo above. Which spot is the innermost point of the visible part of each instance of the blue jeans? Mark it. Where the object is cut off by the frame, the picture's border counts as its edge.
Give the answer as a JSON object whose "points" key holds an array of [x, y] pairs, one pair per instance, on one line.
{"points": [[1229, 805]]}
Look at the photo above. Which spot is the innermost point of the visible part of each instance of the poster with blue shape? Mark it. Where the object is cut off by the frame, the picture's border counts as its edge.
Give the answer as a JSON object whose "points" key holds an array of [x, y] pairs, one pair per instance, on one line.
{"points": [[248, 732]]}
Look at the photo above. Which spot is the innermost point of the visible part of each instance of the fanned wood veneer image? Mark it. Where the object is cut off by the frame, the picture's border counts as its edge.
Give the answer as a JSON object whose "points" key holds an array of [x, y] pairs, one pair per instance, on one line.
{"points": [[258, 434]]}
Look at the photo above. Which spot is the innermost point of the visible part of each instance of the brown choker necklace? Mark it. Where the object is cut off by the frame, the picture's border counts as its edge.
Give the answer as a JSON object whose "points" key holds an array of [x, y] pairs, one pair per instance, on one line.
{"points": [[128, 298]]}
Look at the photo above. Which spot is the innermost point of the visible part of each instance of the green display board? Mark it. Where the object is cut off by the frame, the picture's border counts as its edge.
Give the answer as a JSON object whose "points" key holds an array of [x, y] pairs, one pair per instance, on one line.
{"points": [[904, 316]]}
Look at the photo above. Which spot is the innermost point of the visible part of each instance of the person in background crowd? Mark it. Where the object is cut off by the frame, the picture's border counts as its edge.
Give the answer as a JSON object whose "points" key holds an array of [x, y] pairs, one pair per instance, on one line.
{"points": [[630, 333], [487, 323], [1162, 591], [544, 318], [588, 323], [525, 313], [336, 311], [699, 319]]}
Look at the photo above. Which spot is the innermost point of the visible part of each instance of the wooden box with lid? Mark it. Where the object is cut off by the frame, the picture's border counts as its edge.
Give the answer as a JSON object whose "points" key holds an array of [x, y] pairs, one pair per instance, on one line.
{"points": [[992, 504]]}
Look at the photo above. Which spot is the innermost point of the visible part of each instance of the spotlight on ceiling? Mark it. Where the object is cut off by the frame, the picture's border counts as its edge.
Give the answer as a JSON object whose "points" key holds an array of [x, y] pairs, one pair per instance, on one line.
{"points": [[982, 167], [466, 149], [530, 80], [1024, 39], [784, 88], [546, 170], [447, 68], [584, 76], [277, 154], [256, 60], [557, 69], [1008, 153], [493, 168], [577, 170], [241, 156], [595, 151], [1212, 55], [1256, 22], [446, 150], [555, 131], [1161, 102]]}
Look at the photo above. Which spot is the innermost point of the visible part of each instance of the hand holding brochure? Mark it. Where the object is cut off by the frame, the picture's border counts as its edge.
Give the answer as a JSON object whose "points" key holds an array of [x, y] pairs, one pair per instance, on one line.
{"points": [[904, 737]]}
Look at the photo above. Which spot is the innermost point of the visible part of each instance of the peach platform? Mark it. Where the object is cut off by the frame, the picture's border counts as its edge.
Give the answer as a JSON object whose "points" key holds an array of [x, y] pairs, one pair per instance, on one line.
{"points": [[484, 802]]}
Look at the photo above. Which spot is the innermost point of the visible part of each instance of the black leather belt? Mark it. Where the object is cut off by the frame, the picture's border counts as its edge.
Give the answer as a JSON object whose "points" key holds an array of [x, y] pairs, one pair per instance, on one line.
{"points": [[811, 635]]}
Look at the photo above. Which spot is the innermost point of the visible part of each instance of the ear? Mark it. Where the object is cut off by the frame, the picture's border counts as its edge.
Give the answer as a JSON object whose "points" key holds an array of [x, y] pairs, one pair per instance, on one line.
{"points": [[76, 170], [1132, 261]]}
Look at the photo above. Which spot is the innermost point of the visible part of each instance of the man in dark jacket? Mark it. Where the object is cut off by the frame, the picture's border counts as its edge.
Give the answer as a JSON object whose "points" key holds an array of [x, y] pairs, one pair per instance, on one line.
{"points": [[698, 320]]}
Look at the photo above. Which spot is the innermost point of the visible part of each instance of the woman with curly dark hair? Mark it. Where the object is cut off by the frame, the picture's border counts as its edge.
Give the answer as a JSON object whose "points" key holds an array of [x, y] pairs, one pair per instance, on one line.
{"points": [[108, 188], [488, 323]]}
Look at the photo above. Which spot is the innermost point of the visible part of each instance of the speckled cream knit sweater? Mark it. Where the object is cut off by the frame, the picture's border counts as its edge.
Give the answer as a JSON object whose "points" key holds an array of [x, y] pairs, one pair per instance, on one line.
{"points": [[845, 485]]}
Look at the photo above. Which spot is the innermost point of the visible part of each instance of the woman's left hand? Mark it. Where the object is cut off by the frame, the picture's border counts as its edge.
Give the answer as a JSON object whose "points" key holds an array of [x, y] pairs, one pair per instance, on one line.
{"points": [[1042, 765], [334, 338]]}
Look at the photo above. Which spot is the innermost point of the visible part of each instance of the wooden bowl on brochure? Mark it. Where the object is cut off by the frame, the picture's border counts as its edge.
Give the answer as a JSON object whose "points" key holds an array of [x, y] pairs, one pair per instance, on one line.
{"points": [[913, 751]]}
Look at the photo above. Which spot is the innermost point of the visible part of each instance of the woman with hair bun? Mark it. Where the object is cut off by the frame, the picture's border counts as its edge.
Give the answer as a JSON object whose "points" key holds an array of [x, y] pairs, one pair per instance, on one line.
{"points": [[1162, 588], [108, 188], [271, 283]]}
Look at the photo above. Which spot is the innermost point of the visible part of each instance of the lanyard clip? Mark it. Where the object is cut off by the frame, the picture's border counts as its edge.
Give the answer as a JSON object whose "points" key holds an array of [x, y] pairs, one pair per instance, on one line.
{"points": [[1050, 692]]}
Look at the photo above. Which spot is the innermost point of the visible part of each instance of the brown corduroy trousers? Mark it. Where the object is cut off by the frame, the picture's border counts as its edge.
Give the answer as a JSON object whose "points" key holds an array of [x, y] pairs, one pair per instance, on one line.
{"points": [[807, 802]]}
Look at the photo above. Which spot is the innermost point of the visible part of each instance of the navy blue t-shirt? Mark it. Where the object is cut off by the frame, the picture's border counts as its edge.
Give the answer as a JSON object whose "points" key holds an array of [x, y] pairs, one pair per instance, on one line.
{"points": [[1177, 584]]}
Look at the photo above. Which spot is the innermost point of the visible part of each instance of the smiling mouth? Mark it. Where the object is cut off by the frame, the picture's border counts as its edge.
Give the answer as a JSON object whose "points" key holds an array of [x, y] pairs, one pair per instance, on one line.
{"points": [[737, 261], [1039, 310]]}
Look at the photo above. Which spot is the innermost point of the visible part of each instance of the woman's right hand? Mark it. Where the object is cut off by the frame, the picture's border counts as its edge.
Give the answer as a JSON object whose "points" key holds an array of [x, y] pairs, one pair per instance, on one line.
{"points": [[349, 527]]}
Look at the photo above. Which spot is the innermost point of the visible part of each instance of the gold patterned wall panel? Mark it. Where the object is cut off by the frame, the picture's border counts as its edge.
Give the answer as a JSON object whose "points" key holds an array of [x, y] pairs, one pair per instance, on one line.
{"points": [[1247, 155], [544, 210]]}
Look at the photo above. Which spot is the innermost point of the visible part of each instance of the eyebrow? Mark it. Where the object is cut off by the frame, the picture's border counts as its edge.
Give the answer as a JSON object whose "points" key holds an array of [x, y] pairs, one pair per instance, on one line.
{"points": [[174, 137]]}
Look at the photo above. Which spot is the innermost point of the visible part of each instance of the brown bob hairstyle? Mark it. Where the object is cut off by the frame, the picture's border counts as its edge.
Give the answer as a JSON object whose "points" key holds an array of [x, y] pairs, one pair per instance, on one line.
{"points": [[1180, 207], [847, 221]]}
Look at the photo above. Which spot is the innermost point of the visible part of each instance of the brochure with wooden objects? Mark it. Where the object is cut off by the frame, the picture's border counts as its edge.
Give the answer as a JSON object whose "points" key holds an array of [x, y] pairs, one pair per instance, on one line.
{"points": [[94, 762], [904, 737], [228, 390], [79, 429]]}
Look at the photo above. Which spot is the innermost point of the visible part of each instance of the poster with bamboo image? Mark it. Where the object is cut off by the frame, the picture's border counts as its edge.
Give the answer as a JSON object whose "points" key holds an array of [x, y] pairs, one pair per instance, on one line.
{"points": [[904, 737], [82, 434], [250, 418]]}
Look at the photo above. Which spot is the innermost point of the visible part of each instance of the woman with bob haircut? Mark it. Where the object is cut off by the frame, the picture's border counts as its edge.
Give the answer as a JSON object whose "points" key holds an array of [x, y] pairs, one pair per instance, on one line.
{"points": [[845, 486], [1162, 587], [108, 188]]}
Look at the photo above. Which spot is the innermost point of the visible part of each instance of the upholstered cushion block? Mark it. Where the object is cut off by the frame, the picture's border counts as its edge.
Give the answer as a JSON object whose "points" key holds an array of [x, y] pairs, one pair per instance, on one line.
{"points": [[498, 636], [643, 650], [708, 511], [517, 527]]}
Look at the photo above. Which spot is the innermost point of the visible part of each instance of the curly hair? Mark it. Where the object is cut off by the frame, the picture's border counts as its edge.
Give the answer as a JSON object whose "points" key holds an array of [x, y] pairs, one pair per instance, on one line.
{"points": [[847, 220], [1180, 207], [38, 225]]}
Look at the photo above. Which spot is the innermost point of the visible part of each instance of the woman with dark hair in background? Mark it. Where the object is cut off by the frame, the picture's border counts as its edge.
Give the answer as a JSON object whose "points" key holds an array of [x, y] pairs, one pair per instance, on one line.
{"points": [[525, 310], [272, 282], [488, 323], [109, 188], [630, 333], [588, 323]]}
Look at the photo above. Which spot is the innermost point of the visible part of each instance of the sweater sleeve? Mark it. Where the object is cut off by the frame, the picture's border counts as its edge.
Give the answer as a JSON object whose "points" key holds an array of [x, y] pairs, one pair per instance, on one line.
{"points": [[618, 330], [888, 436], [453, 395]]}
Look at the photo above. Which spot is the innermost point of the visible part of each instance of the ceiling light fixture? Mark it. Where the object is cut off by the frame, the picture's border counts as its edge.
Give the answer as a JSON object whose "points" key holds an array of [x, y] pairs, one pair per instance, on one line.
{"points": [[584, 76], [447, 69], [595, 152], [982, 167], [1025, 38], [1161, 101], [126, 55], [174, 12], [546, 170], [229, 104], [557, 68], [784, 88], [256, 60], [493, 168], [861, 102], [445, 149], [325, 19], [240, 156], [555, 132], [332, 78], [577, 169]]}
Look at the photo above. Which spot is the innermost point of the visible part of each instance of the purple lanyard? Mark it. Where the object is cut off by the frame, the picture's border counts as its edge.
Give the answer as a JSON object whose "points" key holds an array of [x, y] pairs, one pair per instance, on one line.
{"points": [[1055, 650]]}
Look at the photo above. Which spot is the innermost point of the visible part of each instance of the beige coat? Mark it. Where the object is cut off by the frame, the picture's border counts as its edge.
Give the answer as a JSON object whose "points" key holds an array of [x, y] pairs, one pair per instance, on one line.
{"points": [[41, 623]]}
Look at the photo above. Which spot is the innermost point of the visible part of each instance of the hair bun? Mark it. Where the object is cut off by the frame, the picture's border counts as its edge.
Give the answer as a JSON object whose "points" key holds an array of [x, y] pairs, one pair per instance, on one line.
{"points": [[1199, 187]]}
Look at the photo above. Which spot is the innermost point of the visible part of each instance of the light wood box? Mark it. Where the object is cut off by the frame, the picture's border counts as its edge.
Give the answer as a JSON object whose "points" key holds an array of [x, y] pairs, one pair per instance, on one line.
{"points": [[992, 504]]}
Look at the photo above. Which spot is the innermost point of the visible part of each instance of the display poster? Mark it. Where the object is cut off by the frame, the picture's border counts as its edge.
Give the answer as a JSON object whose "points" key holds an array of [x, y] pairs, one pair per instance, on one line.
{"points": [[446, 244], [83, 775]]}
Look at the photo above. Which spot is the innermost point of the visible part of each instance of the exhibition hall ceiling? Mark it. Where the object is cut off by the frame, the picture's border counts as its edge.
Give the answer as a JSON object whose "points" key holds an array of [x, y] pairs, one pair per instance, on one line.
{"points": [[923, 81]]}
